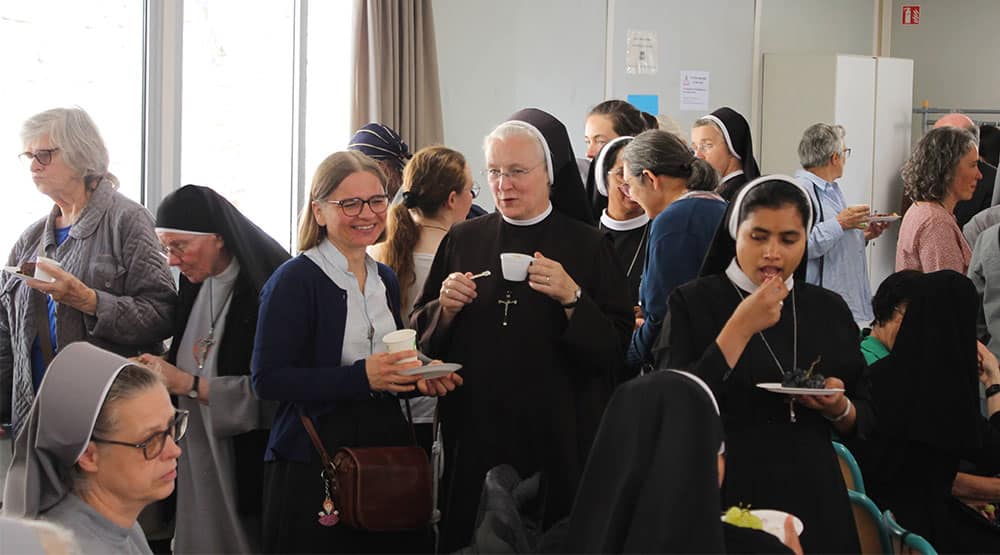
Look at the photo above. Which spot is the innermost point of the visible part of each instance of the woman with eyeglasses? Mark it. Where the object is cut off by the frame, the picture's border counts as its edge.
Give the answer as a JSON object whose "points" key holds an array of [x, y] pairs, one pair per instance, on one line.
{"points": [[318, 351], [100, 444], [723, 139], [542, 349], [676, 191], [111, 286]]}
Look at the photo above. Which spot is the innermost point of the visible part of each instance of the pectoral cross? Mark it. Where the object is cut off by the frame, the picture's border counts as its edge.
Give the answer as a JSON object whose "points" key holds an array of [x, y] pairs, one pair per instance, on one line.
{"points": [[506, 306], [202, 347]]}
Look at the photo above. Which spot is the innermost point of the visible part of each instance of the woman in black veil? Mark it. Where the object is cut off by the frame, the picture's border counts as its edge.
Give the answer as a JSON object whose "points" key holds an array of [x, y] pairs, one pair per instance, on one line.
{"points": [[751, 319]]}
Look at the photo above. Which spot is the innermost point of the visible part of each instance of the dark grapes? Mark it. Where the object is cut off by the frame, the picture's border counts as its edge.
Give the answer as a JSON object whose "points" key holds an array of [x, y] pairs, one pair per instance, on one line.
{"points": [[805, 378]]}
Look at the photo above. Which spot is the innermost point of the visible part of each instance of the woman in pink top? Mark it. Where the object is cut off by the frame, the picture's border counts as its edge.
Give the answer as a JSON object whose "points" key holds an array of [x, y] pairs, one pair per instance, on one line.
{"points": [[942, 171]]}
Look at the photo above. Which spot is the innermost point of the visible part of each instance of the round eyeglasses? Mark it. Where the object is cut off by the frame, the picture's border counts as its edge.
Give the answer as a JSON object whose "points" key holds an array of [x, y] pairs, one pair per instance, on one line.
{"points": [[353, 206], [154, 444]]}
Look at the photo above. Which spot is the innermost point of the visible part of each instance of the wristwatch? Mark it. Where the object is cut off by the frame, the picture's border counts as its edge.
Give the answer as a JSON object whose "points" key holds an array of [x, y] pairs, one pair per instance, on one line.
{"points": [[193, 394], [992, 390], [576, 298]]}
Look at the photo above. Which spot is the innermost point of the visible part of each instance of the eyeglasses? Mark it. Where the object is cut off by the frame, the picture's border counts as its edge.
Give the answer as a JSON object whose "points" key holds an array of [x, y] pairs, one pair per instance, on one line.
{"points": [[703, 147], [474, 190], [493, 175], [153, 445], [846, 153], [354, 206], [618, 174], [43, 155], [175, 248]]}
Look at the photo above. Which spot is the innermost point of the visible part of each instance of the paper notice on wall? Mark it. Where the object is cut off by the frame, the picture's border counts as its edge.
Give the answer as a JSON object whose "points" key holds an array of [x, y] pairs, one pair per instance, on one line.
{"points": [[694, 90], [640, 52]]}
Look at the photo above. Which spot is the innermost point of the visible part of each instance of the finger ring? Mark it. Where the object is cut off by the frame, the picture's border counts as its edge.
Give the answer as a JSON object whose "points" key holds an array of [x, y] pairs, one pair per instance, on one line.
{"points": [[548, 279], [781, 303], [447, 292]]}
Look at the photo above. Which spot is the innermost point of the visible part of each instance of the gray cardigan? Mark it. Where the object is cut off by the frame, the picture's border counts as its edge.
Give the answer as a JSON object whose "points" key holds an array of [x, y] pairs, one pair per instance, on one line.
{"points": [[113, 249]]}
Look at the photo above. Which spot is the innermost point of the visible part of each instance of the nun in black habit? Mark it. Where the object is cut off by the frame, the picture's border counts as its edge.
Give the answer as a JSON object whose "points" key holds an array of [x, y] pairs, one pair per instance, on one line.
{"points": [[747, 321], [652, 480], [927, 392], [541, 357], [224, 260], [739, 146]]}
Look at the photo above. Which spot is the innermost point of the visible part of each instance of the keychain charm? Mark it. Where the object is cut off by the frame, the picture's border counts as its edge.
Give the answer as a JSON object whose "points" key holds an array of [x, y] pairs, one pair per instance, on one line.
{"points": [[329, 516]]}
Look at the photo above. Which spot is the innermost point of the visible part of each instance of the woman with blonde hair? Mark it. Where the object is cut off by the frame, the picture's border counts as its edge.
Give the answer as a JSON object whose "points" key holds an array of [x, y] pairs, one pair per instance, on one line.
{"points": [[317, 352]]}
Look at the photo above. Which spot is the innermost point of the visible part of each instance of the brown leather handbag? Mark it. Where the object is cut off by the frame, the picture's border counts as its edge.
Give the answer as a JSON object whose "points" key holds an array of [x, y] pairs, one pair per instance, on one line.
{"points": [[378, 489]]}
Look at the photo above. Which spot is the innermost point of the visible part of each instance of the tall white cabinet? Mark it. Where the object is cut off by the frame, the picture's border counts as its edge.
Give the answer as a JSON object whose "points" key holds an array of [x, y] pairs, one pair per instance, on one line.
{"points": [[872, 97]]}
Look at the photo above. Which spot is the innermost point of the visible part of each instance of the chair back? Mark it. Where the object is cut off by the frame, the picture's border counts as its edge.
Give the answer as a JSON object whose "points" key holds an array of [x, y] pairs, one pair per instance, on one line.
{"points": [[904, 542], [849, 468], [872, 535]]}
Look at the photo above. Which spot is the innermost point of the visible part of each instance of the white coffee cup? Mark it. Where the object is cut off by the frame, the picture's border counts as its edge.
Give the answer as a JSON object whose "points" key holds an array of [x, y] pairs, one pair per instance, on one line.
{"points": [[401, 340], [515, 265], [41, 274]]}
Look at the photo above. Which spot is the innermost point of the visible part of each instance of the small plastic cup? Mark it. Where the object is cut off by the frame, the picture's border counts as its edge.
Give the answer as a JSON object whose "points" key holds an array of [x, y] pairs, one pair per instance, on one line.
{"points": [[401, 340]]}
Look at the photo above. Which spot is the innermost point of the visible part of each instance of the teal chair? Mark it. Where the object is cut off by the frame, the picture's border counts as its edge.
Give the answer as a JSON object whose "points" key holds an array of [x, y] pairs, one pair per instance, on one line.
{"points": [[906, 542], [849, 468], [872, 535]]}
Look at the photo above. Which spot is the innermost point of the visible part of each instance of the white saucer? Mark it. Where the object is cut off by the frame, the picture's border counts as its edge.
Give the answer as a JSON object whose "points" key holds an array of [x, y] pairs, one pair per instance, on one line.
{"points": [[432, 371], [776, 387]]}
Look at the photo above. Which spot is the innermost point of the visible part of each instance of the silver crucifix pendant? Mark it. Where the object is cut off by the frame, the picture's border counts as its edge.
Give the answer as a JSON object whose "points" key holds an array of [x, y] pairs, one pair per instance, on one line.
{"points": [[506, 306]]}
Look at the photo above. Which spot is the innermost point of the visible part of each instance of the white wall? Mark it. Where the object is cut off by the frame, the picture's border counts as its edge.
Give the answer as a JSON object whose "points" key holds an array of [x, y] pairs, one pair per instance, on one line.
{"points": [[709, 35], [955, 51], [817, 26], [495, 58]]}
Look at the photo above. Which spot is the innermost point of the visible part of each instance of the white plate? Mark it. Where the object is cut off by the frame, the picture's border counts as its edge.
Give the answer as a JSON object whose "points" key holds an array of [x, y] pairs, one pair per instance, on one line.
{"points": [[776, 387], [883, 218], [432, 371], [774, 522], [15, 271]]}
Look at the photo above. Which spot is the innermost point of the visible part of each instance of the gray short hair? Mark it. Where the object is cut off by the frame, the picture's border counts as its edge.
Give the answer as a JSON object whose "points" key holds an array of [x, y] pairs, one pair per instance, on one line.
{"points": [[75, 134], [664, 153], [819, 142], [931, 167]]}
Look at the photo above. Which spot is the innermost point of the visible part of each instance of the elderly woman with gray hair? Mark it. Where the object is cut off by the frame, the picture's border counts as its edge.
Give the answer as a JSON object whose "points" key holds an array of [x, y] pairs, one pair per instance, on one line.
{"points": [[942, 171], [105, 278], [676, 190], [836, 247]]}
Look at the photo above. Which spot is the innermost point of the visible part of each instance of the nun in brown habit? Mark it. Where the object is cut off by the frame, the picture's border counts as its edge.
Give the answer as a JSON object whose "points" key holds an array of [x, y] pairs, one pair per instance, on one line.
{"points": [[98, 446]]}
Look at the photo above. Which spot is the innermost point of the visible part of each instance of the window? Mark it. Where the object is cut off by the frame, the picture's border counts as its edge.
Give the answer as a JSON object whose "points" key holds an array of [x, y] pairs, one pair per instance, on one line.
{"points": [[238, 112], [237, 106], [60, 53]]}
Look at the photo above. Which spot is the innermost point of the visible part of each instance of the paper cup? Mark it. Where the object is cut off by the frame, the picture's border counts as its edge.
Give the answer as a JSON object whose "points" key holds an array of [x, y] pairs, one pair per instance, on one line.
{"points": [[401, 340], [515, 265], [41, 274]]}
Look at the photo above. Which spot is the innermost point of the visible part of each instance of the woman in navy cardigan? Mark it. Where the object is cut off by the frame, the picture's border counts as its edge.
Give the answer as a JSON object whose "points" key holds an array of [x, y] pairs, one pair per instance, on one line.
{"points": [[322, 317]]}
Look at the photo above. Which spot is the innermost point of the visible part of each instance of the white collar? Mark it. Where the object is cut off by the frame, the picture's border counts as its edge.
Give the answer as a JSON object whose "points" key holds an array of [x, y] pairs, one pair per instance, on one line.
{"points": [[732, 175], [623, 225], [530, 221], [228, 276], [741, 280]]}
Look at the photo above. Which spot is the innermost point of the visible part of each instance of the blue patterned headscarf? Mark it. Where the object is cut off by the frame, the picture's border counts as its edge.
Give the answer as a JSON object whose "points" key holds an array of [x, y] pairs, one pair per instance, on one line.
{"points": [[381, 143]]}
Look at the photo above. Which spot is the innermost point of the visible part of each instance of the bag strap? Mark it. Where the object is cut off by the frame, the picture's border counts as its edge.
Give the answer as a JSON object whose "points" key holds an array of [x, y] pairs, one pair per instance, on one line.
{"points": [[819, 206], [317, 443]]}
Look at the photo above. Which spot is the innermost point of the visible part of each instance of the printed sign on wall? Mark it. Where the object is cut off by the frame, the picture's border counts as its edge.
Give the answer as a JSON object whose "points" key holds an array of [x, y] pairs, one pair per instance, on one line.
{"points": [[911, 15]]}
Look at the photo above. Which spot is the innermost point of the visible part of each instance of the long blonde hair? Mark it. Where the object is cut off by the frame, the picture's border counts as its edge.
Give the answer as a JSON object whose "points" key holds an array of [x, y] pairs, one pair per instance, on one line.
{"points": [[329, 175]]}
